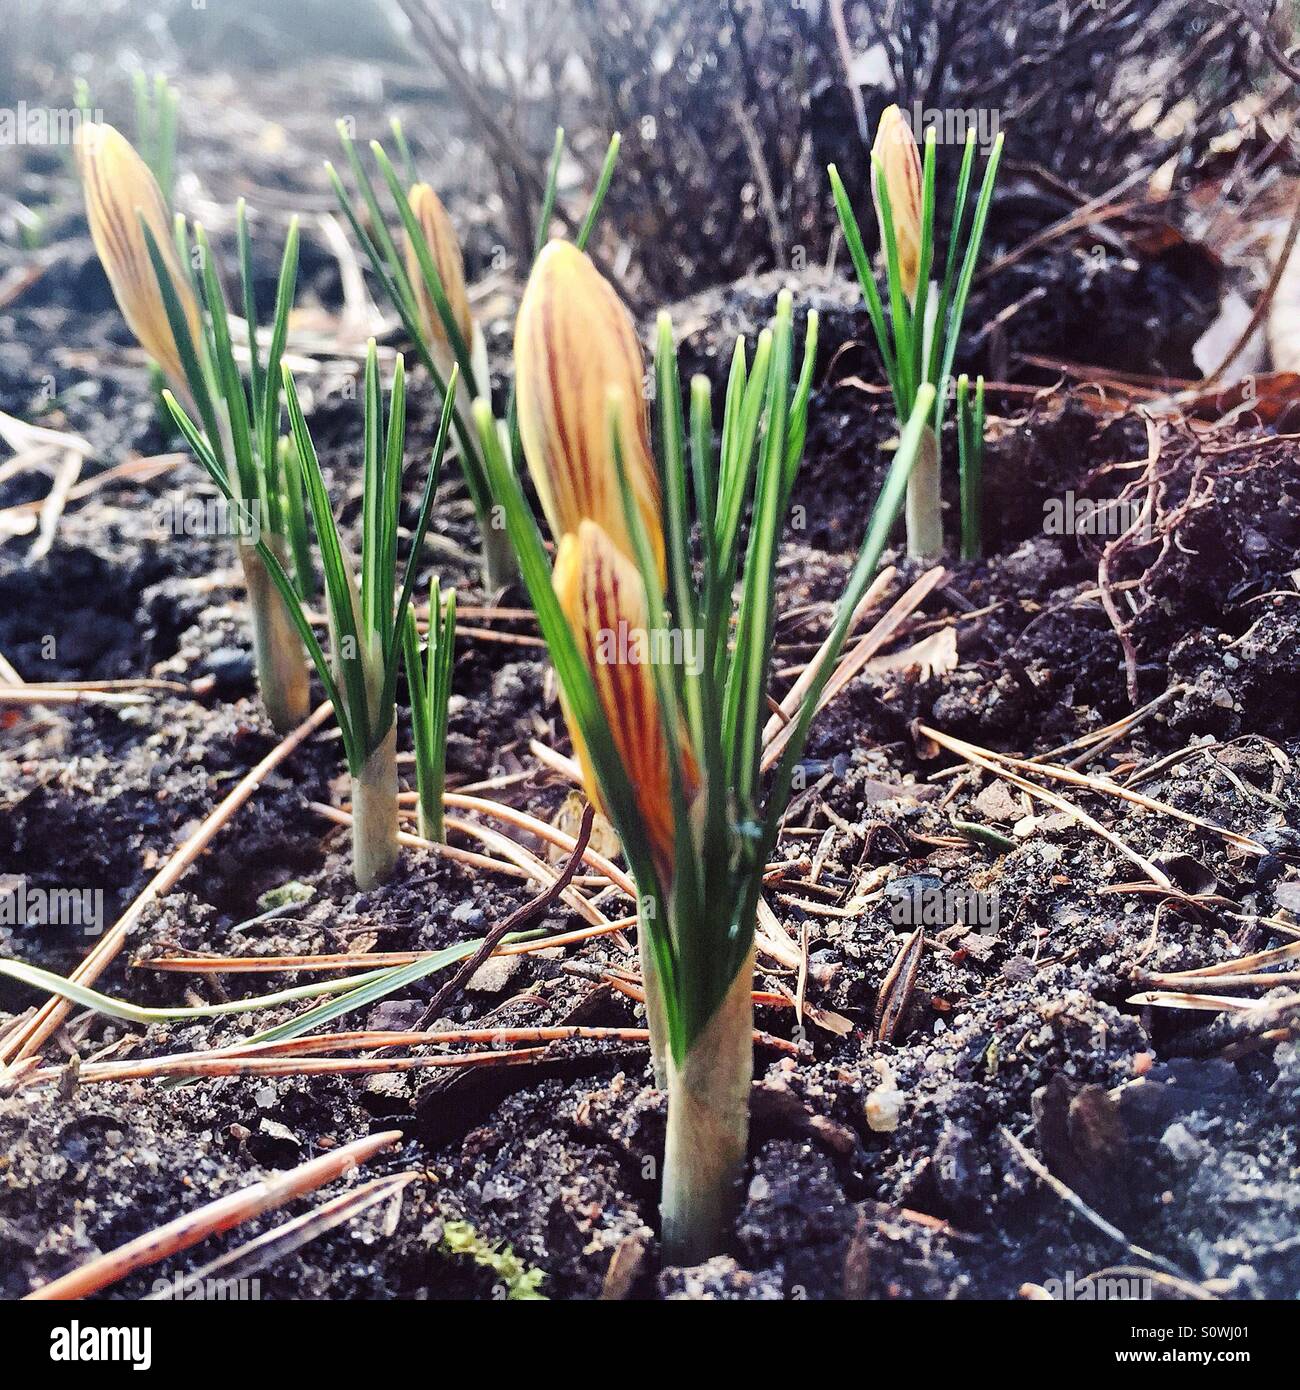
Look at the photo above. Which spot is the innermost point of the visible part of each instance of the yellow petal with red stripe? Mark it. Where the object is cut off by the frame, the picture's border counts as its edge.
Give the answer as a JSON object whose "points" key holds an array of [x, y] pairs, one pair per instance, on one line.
{"points": [[900, 161], [120, 192], [575, 346], [604, 600], [450, 265]]}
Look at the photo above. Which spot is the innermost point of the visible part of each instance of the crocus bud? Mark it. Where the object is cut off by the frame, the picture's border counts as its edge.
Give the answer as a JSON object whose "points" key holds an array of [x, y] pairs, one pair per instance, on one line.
{"points": [[120, 194], [604, 600], [899, 161], [575, 348], [445, 250]]}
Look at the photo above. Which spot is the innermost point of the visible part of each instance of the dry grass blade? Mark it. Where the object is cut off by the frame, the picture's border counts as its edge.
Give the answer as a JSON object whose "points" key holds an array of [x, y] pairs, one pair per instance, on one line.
{"points": [[360, 960], [991, 762], [1263, 980], [1103, 786], [359, 1041], [221, 1215], [776, 733], [51, 1015], [63, 695], [785, 710], [199, 1065], [451, 852], [1260, 960], [283, 1240], [66, 473], [1210, 1003], [773, 939], [897, 986]]}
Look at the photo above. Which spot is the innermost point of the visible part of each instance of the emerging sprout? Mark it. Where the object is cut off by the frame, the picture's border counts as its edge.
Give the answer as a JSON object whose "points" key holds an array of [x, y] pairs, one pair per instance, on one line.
{"points": [[425, 281], [440, 238], [366, 623], [896, 156], [145, 255], [430, 687], [925, 319], [122, 199], [666, 714]]}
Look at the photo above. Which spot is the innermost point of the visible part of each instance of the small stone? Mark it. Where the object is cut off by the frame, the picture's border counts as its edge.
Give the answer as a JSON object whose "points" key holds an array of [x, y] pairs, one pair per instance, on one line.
{"points": [[391, 1084], [231, 667], [494, 975], [466, 914], [997, 803], [823, 967], [395, 1016], [273, 1129], [1182, 1144], [884, 1105]]}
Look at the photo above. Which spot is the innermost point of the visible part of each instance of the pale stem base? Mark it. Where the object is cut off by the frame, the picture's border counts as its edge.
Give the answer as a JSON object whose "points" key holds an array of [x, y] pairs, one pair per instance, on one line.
{"points": [[654, 1006], [924, 505], [374, 815], [708, 1128], [428, 823], [277, 648]]}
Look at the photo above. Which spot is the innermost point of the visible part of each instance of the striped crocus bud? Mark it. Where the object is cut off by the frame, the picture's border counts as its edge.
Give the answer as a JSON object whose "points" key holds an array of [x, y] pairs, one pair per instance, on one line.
{"points": [[898, 160], [575, 349], [440, 236], [120, 194], [603, 598]]}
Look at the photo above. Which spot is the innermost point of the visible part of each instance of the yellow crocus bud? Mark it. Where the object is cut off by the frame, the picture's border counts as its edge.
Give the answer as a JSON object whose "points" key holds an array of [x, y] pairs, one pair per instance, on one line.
{"points": [[120, 193], [445, 250], [575, 348], [896, 154], [604, 600]]}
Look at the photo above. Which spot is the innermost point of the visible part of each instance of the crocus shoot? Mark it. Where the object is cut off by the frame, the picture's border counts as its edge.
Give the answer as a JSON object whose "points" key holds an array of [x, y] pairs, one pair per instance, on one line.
{"points": [[970, 454], [366, 622], [925, 318], [425, 282], [430, 689], [666, 711], [147, 257]]}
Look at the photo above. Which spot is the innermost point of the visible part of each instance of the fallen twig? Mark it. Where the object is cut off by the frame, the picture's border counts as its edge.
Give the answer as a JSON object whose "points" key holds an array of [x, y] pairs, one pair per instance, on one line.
{"points": [[221, 1215], [50, 1015]]}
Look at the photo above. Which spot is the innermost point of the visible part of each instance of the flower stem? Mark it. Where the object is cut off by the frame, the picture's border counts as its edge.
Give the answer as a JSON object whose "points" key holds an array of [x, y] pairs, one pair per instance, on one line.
{"points": [[498, 558], [277, 648], [708, 1128], [374, 814], [924, 507]]}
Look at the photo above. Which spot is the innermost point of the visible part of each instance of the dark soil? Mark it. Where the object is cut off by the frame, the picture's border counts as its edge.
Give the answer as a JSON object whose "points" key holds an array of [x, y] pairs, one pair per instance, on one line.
{"points": [[878, 1169]]}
